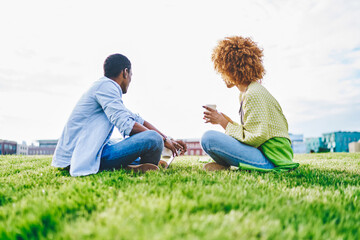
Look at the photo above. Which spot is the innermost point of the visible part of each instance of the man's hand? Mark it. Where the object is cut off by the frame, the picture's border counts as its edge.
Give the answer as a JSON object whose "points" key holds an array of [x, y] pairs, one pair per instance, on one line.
{"points": [[214, 117], [176, 147], [180, 146], [169, 144]]}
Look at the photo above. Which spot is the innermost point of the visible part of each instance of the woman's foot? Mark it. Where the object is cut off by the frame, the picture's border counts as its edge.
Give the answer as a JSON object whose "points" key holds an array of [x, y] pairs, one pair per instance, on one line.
{"points": [[142, 167], [213, 166]]}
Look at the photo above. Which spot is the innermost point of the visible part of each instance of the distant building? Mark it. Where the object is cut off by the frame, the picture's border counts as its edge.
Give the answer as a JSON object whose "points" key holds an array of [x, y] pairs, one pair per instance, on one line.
{"points": [[36, 150], [46, 147], [339, 141], [7, 147], [194, 147], [48, 143], [22, 149], [297, 143], [354, 147], [313, 144]]}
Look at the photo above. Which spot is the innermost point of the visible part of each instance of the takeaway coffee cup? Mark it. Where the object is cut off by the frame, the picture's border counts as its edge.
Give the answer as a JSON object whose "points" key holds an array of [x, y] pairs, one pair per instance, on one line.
{"points": [[213, 106], [166, 153]]}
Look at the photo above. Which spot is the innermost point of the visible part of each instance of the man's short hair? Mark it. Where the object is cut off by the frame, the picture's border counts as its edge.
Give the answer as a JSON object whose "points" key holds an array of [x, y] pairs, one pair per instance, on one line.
{"points": [[114, 64]]}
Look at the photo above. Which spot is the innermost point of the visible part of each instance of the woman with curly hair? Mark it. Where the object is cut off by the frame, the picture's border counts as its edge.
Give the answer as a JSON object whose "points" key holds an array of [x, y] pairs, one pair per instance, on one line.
{"points": [[261, 140]]}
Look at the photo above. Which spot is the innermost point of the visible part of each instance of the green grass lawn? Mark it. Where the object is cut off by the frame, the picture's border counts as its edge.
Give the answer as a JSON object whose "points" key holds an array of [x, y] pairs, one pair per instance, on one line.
{"points": [[319, 200]]}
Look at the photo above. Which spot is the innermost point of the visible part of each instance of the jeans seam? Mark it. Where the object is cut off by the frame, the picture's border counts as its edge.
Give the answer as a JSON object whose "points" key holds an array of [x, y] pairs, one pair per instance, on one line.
{"points": [[251, 163]]}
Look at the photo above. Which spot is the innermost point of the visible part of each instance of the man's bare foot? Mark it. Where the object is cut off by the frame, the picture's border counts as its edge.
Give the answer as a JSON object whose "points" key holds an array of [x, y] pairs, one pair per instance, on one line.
{"points": [[163, 164], [213, 166], [142, 167]]}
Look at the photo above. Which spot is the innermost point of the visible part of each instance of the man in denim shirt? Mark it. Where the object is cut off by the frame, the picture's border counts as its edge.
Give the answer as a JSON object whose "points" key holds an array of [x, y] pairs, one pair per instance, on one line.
{"points": [[84, 144]]}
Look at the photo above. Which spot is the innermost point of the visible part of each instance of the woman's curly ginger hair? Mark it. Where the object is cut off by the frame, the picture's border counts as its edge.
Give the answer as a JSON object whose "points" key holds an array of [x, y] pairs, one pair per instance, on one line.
{"points": [[239, 60]]}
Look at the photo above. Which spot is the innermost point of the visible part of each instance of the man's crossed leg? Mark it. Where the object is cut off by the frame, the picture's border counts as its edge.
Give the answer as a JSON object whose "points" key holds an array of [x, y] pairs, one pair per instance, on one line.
{"points": [[140, 152]]}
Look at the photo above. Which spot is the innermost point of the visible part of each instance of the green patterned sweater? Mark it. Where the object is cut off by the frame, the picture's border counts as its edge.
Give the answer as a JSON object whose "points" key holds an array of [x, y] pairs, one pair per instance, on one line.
{"points": [[263, 126]]}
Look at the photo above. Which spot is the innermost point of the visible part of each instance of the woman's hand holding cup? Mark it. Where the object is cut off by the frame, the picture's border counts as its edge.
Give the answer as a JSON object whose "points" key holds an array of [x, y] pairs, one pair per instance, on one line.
{"points": [[214, 117]]}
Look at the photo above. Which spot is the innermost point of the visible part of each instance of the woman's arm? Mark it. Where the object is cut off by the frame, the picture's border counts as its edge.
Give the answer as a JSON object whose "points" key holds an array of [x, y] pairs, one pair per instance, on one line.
{"points": [[227, 118], [214, 117]]}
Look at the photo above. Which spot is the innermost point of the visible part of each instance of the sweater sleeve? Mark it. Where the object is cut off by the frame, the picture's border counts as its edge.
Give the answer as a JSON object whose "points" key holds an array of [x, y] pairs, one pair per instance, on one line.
{"points": [[255, 130]]}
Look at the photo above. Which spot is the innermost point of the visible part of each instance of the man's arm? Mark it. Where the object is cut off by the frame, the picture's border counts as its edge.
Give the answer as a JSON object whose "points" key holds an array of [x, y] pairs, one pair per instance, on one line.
{"points": [[151, 127], [178, 144], [170, 144], [108, 95], [173, 145], [146, 126], [137, 128]]}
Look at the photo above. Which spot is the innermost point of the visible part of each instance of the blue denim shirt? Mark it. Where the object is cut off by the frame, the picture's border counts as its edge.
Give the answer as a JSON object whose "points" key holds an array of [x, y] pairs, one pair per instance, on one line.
{"points": [[90, 126]]}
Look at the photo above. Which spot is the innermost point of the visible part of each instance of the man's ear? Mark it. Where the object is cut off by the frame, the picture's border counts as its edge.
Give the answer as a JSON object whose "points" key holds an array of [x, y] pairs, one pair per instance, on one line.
{"points": [[125, 73]]}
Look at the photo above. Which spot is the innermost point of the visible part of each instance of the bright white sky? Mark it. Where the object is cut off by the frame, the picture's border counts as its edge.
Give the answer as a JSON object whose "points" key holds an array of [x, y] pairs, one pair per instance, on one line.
{"points": [[52, 51]]}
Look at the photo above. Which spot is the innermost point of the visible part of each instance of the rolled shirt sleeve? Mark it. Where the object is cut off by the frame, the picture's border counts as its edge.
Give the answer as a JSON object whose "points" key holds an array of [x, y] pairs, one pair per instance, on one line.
{"points": [[109, 96], [138, 119]]}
